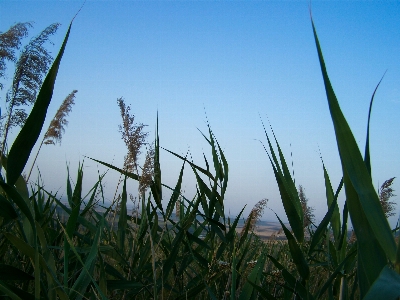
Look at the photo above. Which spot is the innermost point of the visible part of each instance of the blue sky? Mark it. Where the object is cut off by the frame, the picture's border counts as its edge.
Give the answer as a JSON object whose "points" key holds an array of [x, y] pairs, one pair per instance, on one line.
{"points": [[229, 62]]}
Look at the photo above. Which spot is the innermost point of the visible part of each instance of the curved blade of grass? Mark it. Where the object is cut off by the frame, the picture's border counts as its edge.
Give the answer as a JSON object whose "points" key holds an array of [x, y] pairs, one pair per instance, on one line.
{"points": [[255, 275], [350, 256], [319, 232], [291, 282], [156, 186], [296, 252], [20, 202], [128, 174], [4, 288], [123, 220], [175, 194], [205, 172], [367, 157], [20, 184], [80, 285], [27, 137], [330, 197], [290, 199], [386, 286], [359, 178], [72, 222], [372, 229]]}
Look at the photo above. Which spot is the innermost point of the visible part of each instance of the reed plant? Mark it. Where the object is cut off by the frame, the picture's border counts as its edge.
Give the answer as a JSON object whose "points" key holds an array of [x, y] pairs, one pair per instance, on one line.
{"points": [[55, 250]]}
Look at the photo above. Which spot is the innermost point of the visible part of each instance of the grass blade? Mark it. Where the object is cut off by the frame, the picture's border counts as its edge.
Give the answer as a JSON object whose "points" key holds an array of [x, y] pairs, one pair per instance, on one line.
{"points": [[357, 172], [123, 220], [27, 137], [387, 286]]}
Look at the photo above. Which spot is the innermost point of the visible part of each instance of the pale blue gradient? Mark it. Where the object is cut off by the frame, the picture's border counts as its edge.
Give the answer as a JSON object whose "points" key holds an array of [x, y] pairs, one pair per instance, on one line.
{"points": [[227, 62]]}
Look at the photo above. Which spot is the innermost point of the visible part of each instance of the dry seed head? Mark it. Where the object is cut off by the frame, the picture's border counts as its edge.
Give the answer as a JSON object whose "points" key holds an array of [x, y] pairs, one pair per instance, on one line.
{"points": [[9, 42], [308, 215], [133, 136], [385, 193], [57, 125], [32, 65], [255, 215], [147, 171]]}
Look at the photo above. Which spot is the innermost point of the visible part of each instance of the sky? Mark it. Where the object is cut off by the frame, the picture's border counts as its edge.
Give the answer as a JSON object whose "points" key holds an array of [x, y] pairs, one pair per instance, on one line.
{"points": [[233, 64]]}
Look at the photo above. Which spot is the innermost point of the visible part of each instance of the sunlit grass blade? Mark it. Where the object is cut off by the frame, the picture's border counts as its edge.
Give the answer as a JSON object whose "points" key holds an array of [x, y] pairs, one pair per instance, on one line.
{"points": [[27, 137]]}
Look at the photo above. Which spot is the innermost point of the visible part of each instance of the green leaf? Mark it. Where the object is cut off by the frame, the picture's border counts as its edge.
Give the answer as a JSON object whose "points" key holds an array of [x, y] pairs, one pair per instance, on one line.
{"points": [[367, 157], [330, 197], [372, 229], [254, 277], [296, 252], [287, 189], [319, 232], [123, 220], [292, 283], [27, 137], [386, 286], [355, 168], [13, 194]]}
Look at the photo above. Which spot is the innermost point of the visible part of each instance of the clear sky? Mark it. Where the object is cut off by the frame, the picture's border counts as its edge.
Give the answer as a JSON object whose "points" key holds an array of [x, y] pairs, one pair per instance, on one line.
{"points": [[228, 62]]}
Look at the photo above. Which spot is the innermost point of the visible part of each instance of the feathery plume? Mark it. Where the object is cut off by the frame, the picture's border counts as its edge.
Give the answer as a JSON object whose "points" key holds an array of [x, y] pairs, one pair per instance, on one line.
{"points": [[133, 136], [57, 125], [308, 215], [147, 171], [9, 42], [255, 215], [32, 65], [385, 193]]}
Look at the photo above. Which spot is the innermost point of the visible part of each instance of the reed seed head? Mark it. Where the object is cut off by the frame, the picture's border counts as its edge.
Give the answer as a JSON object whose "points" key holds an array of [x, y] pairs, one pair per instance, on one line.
{"points": [[147, 171], [133, 135], [57, 125], [385, 193], [255, 215]]}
